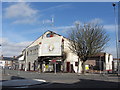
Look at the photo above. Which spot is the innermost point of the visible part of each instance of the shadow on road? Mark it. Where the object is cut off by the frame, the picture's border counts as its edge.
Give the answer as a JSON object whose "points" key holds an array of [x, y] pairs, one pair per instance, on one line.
{"points": [[16, 77], [19, 82], [83, 83]]}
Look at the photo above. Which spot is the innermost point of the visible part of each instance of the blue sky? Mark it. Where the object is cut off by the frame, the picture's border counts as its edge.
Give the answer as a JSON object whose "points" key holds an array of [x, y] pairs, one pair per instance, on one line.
{"points": [[24, 22]]}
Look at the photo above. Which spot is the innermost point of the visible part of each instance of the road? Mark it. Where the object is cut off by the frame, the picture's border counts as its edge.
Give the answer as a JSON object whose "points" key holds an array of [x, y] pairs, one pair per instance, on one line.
{"points": [[65, 80]]}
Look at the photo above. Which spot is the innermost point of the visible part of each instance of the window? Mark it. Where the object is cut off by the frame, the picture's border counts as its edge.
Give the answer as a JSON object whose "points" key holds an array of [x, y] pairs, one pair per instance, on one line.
{"points": [[49, 35], [76, 63], [27, 53], [35, 51]]}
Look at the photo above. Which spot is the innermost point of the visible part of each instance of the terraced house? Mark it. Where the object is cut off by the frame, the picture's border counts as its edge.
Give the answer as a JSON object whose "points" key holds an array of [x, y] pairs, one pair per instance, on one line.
{"points": [[50, 52]]}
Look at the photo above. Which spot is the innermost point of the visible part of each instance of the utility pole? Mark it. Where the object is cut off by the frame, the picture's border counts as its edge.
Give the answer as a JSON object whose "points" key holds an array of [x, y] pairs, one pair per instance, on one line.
{"points": [[114, 5]]}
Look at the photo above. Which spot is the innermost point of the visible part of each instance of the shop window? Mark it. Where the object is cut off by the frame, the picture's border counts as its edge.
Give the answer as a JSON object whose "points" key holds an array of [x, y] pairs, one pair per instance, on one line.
{"points": [[76, 63]]}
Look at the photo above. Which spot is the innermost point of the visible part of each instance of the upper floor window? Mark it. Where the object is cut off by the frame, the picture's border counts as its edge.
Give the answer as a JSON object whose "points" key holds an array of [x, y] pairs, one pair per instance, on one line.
{"points": [[76, 63], [49, 35]]}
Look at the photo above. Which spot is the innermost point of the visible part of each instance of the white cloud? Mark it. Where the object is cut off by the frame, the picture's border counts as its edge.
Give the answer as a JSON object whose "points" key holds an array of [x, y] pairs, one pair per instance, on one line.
{"points": [[47, 21], [61, 29], [111, 50], [96, 20], [19, 10], [25, 21], [63, 6], [107, 27], [11, 48], [21, 13], [64, 27], [110, 28]]}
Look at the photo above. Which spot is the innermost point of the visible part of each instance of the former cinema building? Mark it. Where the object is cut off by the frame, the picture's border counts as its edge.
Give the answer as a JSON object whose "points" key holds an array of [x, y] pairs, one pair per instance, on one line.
{"points": [[51, 52]]}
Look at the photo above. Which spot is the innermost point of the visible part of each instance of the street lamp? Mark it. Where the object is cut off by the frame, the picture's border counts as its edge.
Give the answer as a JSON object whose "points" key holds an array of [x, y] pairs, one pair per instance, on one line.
{"points": [[114, 5]]}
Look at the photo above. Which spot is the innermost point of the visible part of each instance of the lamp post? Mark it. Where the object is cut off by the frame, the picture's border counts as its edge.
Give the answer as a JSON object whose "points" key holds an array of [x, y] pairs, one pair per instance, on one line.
{"points": [[114, 5]]}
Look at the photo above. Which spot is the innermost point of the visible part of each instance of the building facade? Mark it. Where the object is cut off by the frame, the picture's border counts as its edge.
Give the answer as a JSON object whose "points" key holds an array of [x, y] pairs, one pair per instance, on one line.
{"points": [[50, 52], [101, 62], [8, 62]]}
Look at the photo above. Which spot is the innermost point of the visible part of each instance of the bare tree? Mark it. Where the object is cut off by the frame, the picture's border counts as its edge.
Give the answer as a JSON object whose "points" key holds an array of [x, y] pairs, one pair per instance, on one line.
{"points": [[87, 40]]}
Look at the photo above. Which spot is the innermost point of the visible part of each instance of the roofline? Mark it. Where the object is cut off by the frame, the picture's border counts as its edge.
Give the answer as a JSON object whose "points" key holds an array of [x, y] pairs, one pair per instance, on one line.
{"points": [[41, 36], [9, 58], [19, 55], [59, 35], [116, 59]]}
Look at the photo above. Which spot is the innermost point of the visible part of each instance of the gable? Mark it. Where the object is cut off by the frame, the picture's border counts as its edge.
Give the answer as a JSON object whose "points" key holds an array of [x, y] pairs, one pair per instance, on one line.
{"points": [[48, 34]]}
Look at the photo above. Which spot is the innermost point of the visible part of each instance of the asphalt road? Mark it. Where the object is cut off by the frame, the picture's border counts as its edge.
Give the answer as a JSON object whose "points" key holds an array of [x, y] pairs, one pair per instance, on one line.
{"points": [[65, 80]]}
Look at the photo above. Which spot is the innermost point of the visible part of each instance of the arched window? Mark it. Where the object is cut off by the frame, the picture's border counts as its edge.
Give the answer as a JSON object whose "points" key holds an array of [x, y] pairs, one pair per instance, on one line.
{"points": [[49, 35]]}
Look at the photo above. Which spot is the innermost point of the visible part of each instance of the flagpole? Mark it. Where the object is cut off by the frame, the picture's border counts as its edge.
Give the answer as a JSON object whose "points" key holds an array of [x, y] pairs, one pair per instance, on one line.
{"points": [[52, 21]]}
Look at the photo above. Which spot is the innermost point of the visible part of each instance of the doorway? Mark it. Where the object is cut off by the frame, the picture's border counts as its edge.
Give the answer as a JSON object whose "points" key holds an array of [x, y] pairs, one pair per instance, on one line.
{"points": [[29, 66], [68, 66]]}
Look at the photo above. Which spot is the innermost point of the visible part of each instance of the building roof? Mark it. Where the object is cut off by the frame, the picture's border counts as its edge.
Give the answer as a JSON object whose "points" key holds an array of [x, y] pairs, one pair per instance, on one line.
{"points": [[42, 35], [19, 56], [116, 59], [8, 58], [99, 54]]}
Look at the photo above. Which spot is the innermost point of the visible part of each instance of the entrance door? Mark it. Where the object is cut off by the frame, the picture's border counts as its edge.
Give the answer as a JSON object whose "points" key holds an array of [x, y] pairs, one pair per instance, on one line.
{"points": [[22, 67], [34, 64], [58, 67], [68, 66], [29, 66]]}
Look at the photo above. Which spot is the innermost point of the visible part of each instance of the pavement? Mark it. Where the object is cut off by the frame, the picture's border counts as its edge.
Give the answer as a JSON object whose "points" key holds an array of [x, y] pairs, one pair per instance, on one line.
{"points": [[58, 80]]}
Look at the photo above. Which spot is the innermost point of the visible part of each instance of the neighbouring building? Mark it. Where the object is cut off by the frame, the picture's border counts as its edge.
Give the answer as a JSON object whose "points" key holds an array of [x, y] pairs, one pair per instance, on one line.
{"points": [[101, 62], [116, 65], [21, 61], [51, 52], [10, 62]]}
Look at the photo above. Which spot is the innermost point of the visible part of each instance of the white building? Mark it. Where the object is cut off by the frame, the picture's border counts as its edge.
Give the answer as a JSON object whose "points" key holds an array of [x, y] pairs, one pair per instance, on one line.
{"points": [[10, 62], [49, 50]]}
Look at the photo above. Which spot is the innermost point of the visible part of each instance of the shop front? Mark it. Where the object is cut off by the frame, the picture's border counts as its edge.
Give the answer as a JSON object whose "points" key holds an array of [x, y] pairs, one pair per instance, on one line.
{"points": [[50, 64]]}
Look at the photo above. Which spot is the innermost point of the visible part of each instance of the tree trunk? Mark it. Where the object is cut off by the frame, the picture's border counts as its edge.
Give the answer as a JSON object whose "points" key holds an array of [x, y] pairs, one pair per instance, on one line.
{"points": [[83, 67]]}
